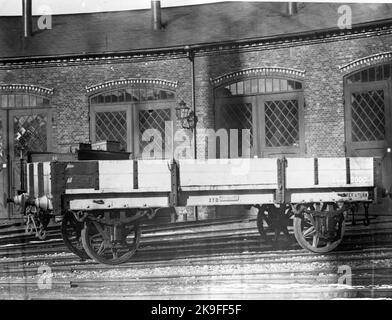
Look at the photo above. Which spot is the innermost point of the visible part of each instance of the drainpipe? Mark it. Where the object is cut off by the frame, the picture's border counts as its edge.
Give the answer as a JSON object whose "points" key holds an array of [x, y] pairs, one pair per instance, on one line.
{"points": [[156, 14], [191, 56], [27, 18], [292, 8]]}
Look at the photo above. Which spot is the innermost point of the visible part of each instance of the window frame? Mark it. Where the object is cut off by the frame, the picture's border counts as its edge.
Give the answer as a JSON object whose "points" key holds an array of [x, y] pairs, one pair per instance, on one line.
{"points": [[132, 111], [257, 100]]}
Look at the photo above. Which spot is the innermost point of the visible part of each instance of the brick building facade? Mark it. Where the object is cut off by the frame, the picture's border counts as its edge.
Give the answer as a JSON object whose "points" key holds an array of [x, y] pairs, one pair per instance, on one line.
{"points": [[261, 75]]}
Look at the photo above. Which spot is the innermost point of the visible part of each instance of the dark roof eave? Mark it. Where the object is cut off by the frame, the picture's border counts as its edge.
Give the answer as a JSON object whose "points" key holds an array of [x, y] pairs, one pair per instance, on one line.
{"points": [[202, 46]]}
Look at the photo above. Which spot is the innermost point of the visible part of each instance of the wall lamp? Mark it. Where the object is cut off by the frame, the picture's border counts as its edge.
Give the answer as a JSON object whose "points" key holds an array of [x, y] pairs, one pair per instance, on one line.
{"points": [[186, 116]]}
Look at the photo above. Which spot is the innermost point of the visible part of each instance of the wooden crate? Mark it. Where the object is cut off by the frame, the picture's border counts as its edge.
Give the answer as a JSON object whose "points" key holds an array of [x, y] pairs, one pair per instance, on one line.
{"points": [[112, 146], [49, 156]]}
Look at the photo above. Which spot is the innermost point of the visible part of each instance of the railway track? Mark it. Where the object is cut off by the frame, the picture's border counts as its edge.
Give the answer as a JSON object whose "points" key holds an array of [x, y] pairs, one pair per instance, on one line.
{"points": [[231, 260], [178, 248], [300, 283], [190, 239]]}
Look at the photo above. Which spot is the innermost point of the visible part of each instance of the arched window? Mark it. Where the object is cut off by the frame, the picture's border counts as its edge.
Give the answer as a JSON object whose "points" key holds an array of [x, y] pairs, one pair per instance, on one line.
{"points": [[271, 107], [375, 73], [124, 114], [29, 122], [25, 126], [368, 110]]}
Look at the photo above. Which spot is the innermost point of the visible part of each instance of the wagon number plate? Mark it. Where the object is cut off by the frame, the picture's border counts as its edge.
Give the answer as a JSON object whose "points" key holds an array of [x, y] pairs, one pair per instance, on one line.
{"points": [[356, 195], [229, 198]]}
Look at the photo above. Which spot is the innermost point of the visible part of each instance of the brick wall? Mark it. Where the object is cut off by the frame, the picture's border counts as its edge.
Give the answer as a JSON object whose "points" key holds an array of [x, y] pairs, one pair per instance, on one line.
{"points": [[323, 86]]}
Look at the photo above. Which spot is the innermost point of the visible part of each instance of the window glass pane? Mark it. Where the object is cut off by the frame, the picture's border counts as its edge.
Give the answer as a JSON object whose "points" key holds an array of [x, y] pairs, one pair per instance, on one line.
{"points": [[281, 123], [94, 100], [157, 95], [26, 101], [283, 85], [276, 85], [11, 100], [121, 96], [4, 101], [356, 77], [128, 95], [387, 71], [290, 85], [298, 85], [223, 92], [233, 89], [150, 94], [364, 75], [379, 73], [162, 94], [114, 97], [111, 126], [170, 95], [268, 85], [254, 86], [33, 101], [136, 94], [143, 94], [368, 116], [372, 74], [18, 101], [261, 85], [240, 87], [40, 101], [107, 97], [247, 86]]}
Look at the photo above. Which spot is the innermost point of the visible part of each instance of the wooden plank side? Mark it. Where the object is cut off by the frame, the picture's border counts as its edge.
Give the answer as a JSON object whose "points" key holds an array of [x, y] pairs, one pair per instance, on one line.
{"points": [[362, 171], [228, 172], [47, 179], [116, 175], [154, 175], [35, 180], [82, 175], [300, 173], [331, 173]]}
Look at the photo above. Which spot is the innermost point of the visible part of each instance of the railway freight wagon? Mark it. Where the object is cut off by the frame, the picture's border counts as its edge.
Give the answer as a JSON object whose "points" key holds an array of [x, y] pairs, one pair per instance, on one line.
{"points": [[102, 202]]}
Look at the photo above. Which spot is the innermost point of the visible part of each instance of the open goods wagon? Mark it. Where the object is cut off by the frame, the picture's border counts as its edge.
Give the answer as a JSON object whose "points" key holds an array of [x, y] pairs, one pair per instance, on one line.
{"points": [[101, 202]]}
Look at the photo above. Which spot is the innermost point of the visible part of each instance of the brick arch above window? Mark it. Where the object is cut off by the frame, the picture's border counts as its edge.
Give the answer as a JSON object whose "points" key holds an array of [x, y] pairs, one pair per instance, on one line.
{"points": [[368, 74], [25, 89], [271, 72], [24, 96], [368, 61], [129, 83]]}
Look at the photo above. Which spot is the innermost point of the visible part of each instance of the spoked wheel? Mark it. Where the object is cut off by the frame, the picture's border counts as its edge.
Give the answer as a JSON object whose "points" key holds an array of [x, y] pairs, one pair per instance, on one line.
{"points": [[277, 219], [110, 244], [71, 230], [320, 228]]}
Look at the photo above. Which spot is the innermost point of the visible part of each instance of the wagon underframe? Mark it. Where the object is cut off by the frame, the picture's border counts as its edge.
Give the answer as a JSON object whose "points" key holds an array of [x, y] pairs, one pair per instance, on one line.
{"points": [[102, 202]]}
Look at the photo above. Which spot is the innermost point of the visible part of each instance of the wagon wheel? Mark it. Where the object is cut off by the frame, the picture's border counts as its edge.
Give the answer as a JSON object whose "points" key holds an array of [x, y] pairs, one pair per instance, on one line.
{"points": [[276, 218], [97, 241], [316, 233], [71, 230]]}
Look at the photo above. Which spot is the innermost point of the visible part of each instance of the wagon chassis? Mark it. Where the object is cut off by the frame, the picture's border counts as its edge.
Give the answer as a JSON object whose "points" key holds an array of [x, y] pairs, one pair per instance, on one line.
{"points": [[105, 226]]}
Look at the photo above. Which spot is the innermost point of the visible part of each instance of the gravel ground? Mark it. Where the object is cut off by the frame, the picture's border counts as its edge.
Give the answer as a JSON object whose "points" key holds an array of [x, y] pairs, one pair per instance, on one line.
{"points": [[202, 281]]}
